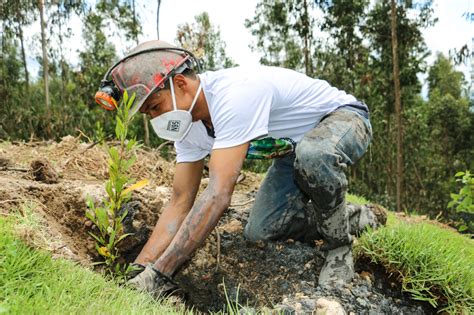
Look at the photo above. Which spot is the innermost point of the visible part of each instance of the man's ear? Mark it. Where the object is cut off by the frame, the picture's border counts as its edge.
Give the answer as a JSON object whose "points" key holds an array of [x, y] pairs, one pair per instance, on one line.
{"points": [[180, 81]]}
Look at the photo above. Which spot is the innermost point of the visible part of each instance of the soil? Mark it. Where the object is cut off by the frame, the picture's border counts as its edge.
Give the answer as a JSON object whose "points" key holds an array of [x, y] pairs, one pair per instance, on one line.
{"points": [[226, 270]]}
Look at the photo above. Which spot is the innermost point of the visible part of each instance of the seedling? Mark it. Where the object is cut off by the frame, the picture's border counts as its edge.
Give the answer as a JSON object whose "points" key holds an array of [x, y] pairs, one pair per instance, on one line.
{"points": [[107, 217]]}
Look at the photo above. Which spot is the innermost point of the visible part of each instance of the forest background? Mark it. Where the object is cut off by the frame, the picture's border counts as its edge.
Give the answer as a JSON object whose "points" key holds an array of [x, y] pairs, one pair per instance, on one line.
{"points": [[348, 43]]}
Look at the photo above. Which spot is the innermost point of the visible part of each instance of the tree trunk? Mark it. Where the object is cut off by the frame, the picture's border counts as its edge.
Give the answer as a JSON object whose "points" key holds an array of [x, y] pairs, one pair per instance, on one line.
{"points": [[306, 39], [158, 20], [144, 117], [61, 62], [398, 105], [45, 69], [23, 57]]}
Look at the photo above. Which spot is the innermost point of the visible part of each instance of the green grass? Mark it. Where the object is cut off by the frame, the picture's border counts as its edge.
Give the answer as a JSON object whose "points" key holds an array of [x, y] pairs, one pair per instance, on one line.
{"points": [[358, 200], [435, 264], [31, 282]]}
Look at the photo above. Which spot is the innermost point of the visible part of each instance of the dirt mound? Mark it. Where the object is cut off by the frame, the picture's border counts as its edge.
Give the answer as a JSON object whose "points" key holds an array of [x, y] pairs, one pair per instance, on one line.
{"points": [[280, 275], [73, 159]]}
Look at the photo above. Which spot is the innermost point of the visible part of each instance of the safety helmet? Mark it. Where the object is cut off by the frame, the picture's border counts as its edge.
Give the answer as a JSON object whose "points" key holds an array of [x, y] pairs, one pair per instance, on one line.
{"points": [[143, 71]]}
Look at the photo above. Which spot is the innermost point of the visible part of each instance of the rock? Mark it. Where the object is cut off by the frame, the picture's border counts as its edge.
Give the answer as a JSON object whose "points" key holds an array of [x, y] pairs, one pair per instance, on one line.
{"points": [[300, 296], [326, 306], [309, 304], [361, 301], [234, 226]]}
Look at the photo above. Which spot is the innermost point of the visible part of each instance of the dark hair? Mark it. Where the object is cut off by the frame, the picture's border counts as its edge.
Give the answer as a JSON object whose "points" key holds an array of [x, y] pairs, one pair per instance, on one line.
{"points": [[188, 73]]}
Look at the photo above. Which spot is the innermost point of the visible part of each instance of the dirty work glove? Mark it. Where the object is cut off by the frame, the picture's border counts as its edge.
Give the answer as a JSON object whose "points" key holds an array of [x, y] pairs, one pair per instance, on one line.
{"points": [[151, 280], [136, 270]]}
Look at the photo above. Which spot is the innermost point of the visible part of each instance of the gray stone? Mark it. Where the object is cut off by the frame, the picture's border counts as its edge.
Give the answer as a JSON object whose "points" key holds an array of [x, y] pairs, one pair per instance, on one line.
{"points": [[326, 306], [361, 301]]}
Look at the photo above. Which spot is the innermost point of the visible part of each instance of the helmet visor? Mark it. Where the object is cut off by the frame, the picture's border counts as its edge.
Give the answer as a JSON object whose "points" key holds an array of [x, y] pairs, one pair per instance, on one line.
{"points": [[141, 94], [143, 74]]}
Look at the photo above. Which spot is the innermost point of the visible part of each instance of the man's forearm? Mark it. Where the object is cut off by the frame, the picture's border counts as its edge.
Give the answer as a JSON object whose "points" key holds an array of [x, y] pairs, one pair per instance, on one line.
{"points": [[197, 225], [165, 229]]}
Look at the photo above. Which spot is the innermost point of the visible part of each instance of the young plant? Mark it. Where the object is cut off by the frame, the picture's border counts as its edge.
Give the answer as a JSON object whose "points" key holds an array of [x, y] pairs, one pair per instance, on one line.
{"points": [[108, 217]]}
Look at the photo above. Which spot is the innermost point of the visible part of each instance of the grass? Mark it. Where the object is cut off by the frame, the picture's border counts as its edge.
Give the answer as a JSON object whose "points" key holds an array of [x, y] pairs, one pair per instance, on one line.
{"points": [[31, 282], [358, 200], [434, 264]]}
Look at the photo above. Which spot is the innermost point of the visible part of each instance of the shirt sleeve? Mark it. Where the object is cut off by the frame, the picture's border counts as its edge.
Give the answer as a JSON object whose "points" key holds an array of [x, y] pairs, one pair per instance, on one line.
{"points": [[242, 116]]}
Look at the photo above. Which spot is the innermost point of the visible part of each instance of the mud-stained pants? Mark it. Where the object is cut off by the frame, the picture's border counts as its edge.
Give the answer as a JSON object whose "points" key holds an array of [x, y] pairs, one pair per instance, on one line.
{"points": [[315, 172]]}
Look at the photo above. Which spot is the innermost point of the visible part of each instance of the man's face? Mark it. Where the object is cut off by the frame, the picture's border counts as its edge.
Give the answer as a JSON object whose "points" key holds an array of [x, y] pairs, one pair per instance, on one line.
{"points": [[161, 102], [158, 103]]}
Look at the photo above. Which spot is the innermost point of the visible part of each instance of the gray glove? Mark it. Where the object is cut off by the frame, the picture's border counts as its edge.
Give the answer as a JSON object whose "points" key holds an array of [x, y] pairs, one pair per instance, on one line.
{"points": [[151, 280], [136, 269]]}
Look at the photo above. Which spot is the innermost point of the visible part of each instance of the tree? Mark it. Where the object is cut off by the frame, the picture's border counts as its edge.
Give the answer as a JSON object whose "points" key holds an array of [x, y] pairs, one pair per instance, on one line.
{"points": [[121, 14], [135, 33], [344, 59], [398, 103], [158, 19], [381, 94], [284, 33], [204, 39], [45, 68], [61, 13], [96, 58], [442, 77]]}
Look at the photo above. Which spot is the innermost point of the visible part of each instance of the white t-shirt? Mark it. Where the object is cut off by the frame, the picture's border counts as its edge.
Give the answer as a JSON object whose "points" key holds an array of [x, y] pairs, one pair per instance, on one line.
{"points": [[247, 103]]}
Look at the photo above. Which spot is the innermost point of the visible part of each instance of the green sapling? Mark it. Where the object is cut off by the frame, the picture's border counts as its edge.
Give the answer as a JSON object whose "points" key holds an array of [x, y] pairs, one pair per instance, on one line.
{"points": [[107, 218]]}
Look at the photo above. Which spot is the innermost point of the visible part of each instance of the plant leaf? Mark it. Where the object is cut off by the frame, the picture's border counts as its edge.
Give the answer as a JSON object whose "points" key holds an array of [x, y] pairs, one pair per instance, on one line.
{"points": [[136, 186]]}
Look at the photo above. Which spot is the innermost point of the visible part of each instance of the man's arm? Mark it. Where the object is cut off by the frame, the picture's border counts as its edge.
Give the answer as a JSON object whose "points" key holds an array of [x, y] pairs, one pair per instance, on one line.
{"points": [[224, 168], [185, 186]]}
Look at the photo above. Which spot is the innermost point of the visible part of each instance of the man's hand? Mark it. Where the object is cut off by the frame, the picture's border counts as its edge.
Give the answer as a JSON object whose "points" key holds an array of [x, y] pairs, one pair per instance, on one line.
{"points": [[185, 186], [224, 169], [154, 282]]}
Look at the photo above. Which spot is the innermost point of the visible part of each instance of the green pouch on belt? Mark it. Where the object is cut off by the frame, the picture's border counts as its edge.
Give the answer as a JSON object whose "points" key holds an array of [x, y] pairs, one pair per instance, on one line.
{"points": [[269, 148]]}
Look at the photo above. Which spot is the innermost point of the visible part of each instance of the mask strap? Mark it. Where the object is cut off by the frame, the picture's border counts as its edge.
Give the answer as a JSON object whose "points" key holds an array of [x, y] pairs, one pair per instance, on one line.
{"points": [[173, 98], [195, 98]]}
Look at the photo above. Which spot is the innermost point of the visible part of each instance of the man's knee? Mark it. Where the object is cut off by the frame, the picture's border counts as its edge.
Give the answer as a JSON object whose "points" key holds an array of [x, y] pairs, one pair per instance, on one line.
{"points": [[319, 172], [289, 223], [314, 161], [257, 232]]}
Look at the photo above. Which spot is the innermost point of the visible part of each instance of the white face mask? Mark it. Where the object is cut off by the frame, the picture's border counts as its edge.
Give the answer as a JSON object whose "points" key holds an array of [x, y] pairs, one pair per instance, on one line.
{"points": [[174, 125]]}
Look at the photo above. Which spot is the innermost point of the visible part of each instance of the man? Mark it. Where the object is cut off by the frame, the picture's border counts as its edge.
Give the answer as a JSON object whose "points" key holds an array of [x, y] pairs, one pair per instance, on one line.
{"points": [[314, 132]]}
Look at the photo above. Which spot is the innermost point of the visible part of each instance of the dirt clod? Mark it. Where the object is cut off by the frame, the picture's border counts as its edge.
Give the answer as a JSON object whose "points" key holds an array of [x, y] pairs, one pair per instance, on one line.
{"points": [[4, 162], [42, 171]]}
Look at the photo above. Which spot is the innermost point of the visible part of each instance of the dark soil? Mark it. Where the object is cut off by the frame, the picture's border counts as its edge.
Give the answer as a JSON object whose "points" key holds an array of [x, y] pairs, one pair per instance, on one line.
{"points": [[282, 275]]}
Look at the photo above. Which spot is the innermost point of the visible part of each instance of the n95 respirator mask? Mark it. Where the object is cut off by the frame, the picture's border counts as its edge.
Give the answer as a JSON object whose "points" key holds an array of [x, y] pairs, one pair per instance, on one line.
{"points": [[174, 125]]}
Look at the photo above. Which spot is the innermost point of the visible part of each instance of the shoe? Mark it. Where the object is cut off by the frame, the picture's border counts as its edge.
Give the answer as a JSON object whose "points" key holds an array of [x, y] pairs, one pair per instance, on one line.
{"points": [[338, 269], [362, 217]]}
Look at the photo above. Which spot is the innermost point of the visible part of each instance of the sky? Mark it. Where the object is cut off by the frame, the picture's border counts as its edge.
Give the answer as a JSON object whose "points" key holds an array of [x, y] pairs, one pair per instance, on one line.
{"points": [[454, 29]]}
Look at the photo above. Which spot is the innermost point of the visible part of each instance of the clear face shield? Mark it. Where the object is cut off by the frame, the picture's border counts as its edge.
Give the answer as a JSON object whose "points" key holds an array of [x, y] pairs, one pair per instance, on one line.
{"points": [[142, 72]]}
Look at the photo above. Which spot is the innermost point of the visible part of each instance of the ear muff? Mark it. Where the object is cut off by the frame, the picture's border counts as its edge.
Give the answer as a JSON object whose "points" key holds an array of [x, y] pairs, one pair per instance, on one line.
{"points": [[108, 95]]}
